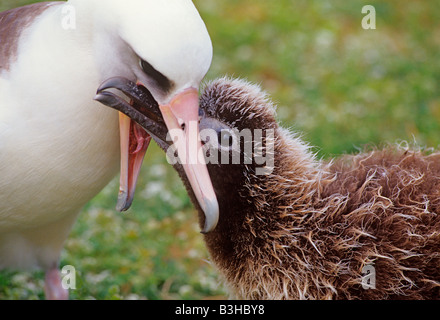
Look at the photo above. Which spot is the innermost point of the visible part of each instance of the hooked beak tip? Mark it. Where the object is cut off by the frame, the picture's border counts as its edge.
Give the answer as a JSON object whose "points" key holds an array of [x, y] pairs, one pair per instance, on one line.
{"points": [[124, 202], [211, 211]]}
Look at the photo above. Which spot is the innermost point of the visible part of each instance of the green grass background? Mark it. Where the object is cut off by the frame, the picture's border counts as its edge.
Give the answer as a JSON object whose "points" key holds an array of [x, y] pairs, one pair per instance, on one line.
{"points": [[341, 86]]}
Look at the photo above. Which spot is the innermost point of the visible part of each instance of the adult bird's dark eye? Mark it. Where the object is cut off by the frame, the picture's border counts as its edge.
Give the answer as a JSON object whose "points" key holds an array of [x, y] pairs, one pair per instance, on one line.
{"points": [[158, 77], [147, 68]]}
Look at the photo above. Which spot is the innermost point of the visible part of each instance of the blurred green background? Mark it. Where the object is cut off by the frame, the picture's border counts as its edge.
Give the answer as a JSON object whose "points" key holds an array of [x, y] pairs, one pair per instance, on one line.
{"points": [[338, 84]]}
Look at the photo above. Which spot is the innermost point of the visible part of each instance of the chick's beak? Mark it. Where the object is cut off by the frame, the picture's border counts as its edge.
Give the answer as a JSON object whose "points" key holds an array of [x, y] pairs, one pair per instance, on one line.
{"points": [[181, 117]]}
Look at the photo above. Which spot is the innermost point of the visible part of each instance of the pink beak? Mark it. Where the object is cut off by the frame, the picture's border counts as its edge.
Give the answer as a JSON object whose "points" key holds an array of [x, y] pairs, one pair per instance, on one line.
{"points": [[181, 116], [134, 145]]}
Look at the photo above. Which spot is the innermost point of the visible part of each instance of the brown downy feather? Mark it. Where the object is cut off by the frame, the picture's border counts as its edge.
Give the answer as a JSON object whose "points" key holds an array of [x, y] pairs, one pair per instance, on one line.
{"points": [[309, 228]]}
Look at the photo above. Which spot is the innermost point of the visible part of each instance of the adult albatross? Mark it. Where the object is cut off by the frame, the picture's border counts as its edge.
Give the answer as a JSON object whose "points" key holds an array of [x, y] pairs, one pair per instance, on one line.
{"points": [[59, 147]]}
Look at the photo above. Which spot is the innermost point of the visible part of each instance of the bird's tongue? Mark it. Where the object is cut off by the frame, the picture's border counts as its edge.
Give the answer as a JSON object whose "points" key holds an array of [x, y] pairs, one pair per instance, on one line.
{"points": [[134, 145], [139, 139]]}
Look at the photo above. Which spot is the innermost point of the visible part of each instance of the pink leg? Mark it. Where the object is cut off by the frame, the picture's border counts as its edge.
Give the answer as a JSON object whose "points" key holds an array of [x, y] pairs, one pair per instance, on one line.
{"points": [[53, 287]]}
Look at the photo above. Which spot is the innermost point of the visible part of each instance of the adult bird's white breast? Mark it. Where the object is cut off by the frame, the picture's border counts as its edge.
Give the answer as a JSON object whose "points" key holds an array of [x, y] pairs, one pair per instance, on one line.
{"points": [[58, 147]]}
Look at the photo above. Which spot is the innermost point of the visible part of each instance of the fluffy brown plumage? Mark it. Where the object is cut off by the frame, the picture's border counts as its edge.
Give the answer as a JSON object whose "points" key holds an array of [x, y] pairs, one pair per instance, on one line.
{"points": [[308, 229]]}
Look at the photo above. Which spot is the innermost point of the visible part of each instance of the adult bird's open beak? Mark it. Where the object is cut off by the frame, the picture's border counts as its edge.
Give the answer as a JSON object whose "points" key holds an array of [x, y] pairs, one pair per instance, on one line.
{"points": [[181, 117], [134, 142]]}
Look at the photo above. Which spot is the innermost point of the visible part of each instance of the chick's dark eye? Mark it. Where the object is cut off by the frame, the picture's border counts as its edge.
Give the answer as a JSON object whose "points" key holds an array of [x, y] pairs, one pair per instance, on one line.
{"points": [[225, 138], [163, 82]]}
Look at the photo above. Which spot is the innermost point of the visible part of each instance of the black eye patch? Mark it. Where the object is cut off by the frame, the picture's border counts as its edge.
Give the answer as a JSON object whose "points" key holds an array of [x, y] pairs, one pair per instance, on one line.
{"points": [[163, 82]]}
